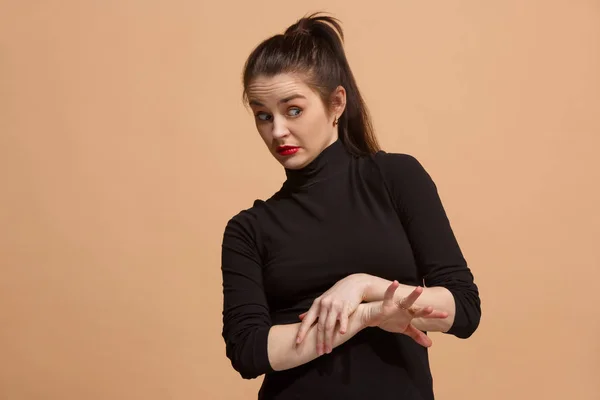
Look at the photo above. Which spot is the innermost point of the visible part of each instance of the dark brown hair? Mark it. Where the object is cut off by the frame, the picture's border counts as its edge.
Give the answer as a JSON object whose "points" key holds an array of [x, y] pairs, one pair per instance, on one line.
{"points": [[313, 47]]}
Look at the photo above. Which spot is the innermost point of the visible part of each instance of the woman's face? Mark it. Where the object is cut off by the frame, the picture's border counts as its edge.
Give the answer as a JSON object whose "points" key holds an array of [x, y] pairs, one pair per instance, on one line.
{"points": [[291, 118]]}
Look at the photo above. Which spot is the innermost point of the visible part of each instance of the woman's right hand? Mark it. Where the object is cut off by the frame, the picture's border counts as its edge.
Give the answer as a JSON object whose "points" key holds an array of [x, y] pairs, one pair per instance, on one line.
{"points": [[396, 315], [333, 306]]}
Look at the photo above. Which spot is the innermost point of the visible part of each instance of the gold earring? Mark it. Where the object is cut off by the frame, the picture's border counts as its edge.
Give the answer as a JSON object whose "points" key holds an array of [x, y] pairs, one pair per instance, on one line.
{"points": [[335, 121]]}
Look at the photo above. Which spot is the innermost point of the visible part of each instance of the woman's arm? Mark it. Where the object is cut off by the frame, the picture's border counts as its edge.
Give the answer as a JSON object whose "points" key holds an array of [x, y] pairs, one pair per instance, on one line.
{"points": [[439, 298], [448, 280], [246, 315], [253, 344], [286, 353]]}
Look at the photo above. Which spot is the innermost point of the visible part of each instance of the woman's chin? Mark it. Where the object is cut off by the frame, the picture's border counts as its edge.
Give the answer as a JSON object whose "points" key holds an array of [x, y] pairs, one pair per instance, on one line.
{"points": [[295, 161]]}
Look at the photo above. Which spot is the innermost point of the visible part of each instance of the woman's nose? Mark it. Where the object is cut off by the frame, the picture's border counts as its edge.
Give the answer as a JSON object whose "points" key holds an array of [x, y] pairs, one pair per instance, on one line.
{"points": [[280, 128]]}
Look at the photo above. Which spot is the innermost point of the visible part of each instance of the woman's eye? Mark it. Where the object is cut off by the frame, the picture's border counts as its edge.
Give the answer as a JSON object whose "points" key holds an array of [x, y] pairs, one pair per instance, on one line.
{"points": [[263, 116], [294, 112]]}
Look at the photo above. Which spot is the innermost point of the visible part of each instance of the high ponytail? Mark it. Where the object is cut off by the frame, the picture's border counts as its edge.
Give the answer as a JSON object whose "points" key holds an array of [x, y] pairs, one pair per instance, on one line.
{"points": [[313, 47]]}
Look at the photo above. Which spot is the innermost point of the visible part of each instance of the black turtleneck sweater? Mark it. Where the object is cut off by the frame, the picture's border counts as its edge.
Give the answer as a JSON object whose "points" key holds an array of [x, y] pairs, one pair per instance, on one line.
{"points": [[341, 215]]}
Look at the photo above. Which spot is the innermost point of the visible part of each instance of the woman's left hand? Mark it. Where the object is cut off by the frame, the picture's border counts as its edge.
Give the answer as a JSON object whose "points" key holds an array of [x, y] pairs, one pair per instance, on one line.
{"points": [[396, 316], [336, 304]]}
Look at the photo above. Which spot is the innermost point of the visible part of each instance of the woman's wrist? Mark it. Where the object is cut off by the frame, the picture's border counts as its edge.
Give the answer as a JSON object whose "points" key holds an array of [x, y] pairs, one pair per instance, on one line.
{"points": [[375, 287], [366, 312], [365, 282]]}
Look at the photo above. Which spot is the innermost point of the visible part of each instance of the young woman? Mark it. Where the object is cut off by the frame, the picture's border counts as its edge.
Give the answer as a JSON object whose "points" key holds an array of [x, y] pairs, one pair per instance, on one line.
{"points": [[331, 284]]}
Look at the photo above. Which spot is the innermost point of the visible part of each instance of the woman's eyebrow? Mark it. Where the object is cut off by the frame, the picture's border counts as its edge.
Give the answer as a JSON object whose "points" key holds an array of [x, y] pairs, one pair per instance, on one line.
{"points": [[284, 100], [292, 97]]}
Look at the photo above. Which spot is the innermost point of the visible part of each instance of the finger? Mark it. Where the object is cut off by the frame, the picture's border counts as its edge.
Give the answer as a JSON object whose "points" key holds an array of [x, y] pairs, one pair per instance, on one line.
{"points": [[409, 300], [418, 336], [427, 312], [388, 296], [332, 318], [344, 320], [301, 316], [437, 314], [321, 331], [421, 312], [307, 321]]}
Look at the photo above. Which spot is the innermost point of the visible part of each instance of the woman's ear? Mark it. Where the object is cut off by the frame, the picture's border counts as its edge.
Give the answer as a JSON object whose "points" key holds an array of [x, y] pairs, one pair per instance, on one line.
{"points": [[338, 101]]}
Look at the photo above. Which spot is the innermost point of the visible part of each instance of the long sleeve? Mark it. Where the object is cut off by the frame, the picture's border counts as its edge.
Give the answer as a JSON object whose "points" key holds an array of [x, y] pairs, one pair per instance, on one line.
{"points": [[435, 248], [246, 318]]}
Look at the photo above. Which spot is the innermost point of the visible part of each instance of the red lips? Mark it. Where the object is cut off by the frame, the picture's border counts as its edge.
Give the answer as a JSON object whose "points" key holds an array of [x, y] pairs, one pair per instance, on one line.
{"points": [[287, 150]]}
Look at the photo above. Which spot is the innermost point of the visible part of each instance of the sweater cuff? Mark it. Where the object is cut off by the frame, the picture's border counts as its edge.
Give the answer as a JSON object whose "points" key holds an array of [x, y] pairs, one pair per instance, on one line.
{"points": [[261, 353], [460, 326]]}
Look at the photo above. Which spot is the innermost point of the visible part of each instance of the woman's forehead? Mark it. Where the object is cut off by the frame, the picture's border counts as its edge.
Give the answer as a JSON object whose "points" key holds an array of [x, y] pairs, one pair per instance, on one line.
{"points": [[277, 87]]}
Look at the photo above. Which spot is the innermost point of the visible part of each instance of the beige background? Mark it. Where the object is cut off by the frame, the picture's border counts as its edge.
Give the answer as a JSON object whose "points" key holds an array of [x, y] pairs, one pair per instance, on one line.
{"points": [[125, 148]]}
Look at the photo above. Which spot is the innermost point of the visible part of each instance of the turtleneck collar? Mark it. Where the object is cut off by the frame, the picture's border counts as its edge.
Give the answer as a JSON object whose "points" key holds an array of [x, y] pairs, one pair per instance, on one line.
{"points": [[328, 163]]}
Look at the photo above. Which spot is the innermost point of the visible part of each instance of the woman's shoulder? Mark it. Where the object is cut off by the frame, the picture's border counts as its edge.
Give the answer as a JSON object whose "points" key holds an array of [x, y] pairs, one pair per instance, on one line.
{"points": [[241, 229], [246, 228], [248, 215], [395, 165], [249, 219], [394, 159]]}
